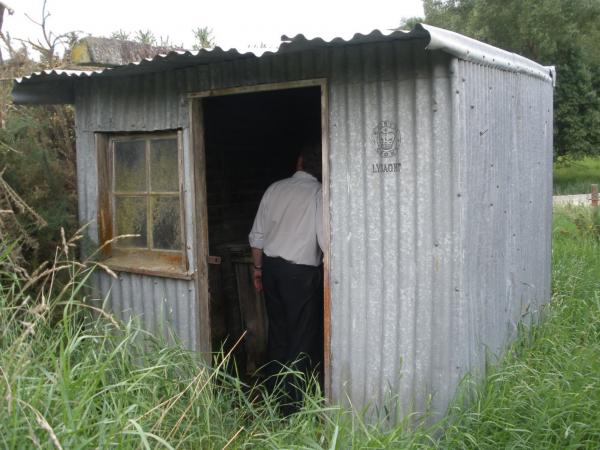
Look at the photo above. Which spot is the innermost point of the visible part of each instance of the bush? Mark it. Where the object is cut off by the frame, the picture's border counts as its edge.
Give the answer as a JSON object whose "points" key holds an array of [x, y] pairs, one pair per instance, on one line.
{"points": [[37, 157]]}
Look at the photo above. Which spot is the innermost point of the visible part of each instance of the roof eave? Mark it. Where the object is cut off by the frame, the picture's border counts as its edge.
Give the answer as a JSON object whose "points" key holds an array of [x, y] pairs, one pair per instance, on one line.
{"points": [[468, 49], [57, 86], [47, 92]]}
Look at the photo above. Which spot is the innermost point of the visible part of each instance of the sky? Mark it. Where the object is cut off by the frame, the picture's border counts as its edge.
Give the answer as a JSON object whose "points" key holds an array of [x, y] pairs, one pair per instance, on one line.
{"points": [[236, 24]]}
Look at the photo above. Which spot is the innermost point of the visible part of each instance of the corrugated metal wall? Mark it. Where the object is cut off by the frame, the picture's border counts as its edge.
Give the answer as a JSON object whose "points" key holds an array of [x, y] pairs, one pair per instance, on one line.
{"points": [[425, 274], [506, 196], [393, 234]]}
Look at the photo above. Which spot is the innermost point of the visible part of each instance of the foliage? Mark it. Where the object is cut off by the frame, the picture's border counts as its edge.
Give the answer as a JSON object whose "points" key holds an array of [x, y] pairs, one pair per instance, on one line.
{"points": [[574, 176], [120, 35], [37, 154], [145, 37], [587, 221], [204, 38], [553, 32], [577, 106]]}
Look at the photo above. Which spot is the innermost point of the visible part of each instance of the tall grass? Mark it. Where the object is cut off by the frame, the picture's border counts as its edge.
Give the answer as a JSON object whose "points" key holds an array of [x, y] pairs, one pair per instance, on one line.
{"points": [[71, 377], [575, 177]]}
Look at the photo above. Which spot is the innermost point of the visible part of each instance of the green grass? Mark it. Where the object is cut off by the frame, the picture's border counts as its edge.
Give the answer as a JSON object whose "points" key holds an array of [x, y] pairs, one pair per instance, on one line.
{"points": [[576, 176], [71, 379]]}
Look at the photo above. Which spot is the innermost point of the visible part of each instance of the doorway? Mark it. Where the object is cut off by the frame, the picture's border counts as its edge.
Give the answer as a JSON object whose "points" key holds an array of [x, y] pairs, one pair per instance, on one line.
{"points": [[249, 138]]}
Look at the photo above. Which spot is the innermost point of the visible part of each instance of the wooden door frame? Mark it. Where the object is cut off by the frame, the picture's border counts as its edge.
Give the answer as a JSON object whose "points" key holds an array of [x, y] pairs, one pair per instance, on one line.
{"points": [[198, 159]]}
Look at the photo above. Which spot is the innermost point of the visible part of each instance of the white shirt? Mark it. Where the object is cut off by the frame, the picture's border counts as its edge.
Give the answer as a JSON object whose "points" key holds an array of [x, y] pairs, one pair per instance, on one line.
{"points": [[289, 221]]}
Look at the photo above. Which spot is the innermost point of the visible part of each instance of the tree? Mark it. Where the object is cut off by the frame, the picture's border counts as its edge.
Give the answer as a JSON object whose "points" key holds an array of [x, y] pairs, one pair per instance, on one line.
{"points": [[577, 106], [564, 33], [48, 46]]}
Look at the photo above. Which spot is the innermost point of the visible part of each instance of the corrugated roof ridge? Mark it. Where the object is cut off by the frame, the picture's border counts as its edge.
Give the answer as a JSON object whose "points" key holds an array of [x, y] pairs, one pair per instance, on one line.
{"points": [[458, 45], [469, 49]]}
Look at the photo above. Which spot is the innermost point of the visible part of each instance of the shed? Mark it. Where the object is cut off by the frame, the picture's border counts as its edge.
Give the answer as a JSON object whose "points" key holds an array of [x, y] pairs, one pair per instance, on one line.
{"points": [[437, 184]]}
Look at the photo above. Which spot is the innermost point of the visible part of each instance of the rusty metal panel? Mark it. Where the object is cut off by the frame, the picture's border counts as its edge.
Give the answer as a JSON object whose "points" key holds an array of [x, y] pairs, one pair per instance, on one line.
{"points": [[163, 305]]}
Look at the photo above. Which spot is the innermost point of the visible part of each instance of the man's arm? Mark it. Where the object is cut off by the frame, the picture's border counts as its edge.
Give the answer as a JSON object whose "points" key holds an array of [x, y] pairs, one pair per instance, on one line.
{"points": [[257, 254], [319, 219], [256, 242]]}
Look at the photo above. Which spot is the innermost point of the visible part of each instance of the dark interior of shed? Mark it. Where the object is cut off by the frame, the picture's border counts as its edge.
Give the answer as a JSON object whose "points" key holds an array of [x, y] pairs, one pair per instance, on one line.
{"points": [[251, 140]]}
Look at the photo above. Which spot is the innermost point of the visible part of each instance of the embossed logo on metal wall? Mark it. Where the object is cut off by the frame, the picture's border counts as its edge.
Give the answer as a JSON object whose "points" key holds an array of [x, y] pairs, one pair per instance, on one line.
{"points": [[386, 138]]}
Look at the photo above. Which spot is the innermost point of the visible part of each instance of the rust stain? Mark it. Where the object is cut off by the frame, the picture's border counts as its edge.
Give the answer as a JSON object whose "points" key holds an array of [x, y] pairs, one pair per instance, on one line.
{"points": [[148, 263], [326, 328]]}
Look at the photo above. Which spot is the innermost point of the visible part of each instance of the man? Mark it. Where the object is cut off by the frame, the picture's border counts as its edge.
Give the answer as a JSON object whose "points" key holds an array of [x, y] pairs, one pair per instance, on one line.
{"points": [[286, 241]]}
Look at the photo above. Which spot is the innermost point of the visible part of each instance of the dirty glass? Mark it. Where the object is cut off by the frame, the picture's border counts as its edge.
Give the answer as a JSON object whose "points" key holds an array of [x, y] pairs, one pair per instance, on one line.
{"points": [[164, 166], [166, 229], [130, 166], [130, 218], [146, 193]]}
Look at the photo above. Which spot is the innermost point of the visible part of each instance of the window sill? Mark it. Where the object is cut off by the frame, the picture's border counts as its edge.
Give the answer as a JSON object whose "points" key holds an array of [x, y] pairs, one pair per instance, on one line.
{"points": [[144, 264]]}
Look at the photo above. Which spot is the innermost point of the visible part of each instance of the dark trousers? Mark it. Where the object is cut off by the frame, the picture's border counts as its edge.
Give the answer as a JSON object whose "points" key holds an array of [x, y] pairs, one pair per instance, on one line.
{"points": [[294, 301]]}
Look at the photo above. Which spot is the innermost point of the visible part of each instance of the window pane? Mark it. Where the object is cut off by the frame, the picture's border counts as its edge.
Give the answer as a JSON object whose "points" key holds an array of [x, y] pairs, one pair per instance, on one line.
{"points": [[166, 230], [164, 165], [130, 218], [130, 166]]}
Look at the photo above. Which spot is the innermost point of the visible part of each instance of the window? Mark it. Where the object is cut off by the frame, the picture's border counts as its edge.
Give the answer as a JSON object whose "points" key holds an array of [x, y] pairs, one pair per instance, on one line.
{"points": [[141, 203]]}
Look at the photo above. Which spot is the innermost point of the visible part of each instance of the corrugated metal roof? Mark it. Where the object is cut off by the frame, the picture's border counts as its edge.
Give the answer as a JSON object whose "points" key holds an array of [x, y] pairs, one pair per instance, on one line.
{"points": [[460, 46]]}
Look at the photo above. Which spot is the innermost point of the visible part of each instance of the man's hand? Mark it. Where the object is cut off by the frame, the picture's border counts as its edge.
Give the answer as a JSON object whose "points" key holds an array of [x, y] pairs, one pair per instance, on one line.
{"points": [[257, 255], [257, 280]]}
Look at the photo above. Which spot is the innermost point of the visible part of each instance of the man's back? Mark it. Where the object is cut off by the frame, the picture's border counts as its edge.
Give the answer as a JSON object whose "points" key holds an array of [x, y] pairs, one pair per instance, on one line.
{"points": [[289, 219]]}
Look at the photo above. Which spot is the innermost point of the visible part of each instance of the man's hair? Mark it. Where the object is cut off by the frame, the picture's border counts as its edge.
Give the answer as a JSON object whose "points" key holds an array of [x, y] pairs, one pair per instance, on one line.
{"points": [[311, 157]]}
